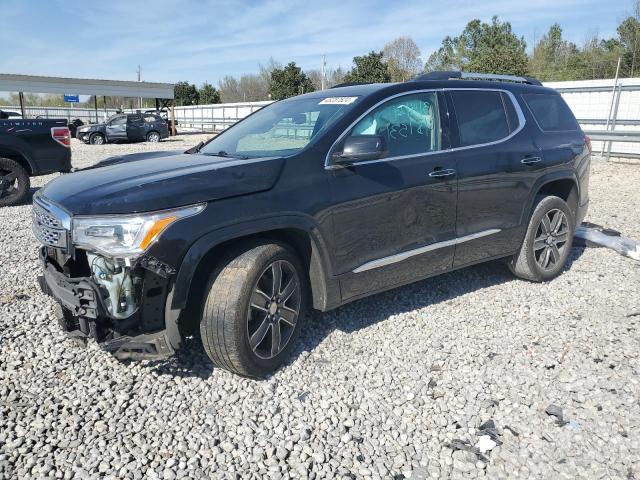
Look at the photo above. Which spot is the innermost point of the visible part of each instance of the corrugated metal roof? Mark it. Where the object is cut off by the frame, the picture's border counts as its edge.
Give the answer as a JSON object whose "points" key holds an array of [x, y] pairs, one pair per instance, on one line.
{"points": [[84, 86]]}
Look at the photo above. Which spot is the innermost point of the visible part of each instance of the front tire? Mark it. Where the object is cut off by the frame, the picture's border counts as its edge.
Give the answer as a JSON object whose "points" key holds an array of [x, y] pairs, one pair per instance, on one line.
{"points": [[14, 182], [253, 310], [97, 139], [547, 243]]}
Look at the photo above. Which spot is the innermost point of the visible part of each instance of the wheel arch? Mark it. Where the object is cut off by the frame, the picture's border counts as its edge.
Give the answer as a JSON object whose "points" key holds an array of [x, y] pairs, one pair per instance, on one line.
{"points": [[561, 184], [206, 253], [18, 156]]}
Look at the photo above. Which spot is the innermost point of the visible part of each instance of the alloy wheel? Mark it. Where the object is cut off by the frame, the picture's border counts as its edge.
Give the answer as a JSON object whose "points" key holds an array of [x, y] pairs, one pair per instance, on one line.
{"points": [[551, 239], [274, 309], [153, 137]]}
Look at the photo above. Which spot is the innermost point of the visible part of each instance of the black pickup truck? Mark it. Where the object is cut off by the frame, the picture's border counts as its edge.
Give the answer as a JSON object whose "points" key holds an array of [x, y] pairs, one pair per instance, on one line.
{"points": [[29, 148]]}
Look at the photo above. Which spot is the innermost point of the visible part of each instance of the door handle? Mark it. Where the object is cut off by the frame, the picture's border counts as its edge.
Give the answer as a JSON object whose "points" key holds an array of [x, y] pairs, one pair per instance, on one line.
{"points": [[447, 172], [530, 160]]}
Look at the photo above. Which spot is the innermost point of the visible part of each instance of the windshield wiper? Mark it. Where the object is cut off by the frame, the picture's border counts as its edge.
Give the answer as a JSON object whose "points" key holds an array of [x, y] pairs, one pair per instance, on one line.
{"points": [[222, 153], [195, 149]]}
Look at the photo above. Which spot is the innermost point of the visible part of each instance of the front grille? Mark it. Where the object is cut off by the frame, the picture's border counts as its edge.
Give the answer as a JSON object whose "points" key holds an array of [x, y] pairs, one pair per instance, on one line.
{"points": [[46, 218], [47, 228]]}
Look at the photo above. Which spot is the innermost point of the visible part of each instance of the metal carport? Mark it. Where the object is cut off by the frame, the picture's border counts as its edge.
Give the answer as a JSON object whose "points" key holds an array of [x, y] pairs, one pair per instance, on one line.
{"points": [[85, 86]]}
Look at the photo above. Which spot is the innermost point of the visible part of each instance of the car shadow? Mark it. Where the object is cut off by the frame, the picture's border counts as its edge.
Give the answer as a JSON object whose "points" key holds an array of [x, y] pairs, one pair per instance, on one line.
{"points": [[192, 361], [28, 200]]}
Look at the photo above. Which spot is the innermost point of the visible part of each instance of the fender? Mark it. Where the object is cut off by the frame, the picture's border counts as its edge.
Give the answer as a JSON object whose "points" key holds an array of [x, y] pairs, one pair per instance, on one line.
{"points": [[325, 289], [11, 146], [541, 182]]}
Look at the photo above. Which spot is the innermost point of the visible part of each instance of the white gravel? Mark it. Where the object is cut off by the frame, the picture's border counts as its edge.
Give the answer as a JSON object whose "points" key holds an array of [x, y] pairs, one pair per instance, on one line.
{"points": [[385, 387]]}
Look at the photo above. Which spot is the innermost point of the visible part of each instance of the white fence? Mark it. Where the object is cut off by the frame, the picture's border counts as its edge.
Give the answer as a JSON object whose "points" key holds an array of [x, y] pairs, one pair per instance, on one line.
{"points": [[595, 103], [216, 117], [598, 106], [208, 118], [85, 114]]}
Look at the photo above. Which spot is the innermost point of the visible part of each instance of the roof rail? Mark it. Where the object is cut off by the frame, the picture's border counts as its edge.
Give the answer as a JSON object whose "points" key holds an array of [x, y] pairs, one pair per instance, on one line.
{"points": [[448, 75]]}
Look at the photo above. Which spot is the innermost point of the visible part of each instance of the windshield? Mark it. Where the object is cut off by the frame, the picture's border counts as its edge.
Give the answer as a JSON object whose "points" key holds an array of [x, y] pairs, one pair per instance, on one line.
{"points": [[280, 129]]}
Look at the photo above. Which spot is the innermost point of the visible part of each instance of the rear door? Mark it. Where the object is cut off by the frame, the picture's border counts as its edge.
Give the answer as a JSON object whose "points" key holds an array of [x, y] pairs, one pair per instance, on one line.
{"points": [[394, 218], [117, 128], [498, 162], [136, 128]]}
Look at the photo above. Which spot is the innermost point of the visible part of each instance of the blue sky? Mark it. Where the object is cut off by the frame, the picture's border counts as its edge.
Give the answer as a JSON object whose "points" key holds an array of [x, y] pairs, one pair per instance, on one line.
{"points": [[205, 40]]}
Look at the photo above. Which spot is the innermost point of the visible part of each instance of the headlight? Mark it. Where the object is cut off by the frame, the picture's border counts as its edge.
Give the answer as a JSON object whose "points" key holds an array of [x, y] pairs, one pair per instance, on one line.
{"points": [[125, 236]]}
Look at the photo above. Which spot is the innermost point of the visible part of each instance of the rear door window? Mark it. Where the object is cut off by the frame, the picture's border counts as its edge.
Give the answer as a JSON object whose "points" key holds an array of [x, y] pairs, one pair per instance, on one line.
{"points": [[551, 112], [481, 116]]}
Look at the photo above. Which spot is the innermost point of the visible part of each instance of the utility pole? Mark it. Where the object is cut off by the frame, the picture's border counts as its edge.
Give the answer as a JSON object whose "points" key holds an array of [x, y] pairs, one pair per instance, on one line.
{"points": [[322, 80], [139, 81]]}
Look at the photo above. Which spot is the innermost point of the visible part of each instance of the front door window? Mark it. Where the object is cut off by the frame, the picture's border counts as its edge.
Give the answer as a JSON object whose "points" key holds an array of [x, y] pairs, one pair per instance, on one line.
{"points": [[408, 124]]}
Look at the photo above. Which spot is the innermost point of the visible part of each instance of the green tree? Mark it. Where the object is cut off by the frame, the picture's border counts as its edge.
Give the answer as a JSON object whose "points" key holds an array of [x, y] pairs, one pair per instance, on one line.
{"points": [[368, 69], [185, 94], [208, 94], [555, 59], [482, 47], [629, 37], [288, 82]]}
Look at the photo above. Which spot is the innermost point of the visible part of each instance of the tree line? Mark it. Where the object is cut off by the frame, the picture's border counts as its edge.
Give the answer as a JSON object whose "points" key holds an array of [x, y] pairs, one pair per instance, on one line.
{"points": [[485, 47]]}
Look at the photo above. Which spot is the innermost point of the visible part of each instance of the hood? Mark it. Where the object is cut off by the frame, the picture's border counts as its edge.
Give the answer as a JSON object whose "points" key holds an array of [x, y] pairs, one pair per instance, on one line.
{"points": [[132, 157], [161, 182]]}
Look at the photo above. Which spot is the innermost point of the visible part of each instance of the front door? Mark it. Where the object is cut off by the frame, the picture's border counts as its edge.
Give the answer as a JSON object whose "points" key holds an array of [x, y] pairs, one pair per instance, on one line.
{"points": [[117, 128], [394, 218]]}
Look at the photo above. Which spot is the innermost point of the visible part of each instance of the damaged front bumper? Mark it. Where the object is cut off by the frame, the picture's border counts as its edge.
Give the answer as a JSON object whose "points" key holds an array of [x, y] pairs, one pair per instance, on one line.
{"points": [[148, 333]]}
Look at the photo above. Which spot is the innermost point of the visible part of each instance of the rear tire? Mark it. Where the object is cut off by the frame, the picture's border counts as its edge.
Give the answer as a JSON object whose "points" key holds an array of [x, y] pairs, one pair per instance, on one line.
{"points": [[153, 137], [547, 243], [253, 310], [97, 139], [14, 182]]}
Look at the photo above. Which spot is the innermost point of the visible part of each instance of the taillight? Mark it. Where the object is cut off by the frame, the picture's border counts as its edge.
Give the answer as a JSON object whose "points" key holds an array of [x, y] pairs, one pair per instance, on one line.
{"points": [[587, 142], [61, 135]]}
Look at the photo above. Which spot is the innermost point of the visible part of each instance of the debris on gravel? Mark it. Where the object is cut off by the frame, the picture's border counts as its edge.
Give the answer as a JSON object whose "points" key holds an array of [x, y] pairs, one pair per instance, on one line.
{"points": [[398, 385]]}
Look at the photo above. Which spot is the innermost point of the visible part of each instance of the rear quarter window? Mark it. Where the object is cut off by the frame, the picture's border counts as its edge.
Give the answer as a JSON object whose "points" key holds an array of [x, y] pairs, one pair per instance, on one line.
{"points": [[551, 112]]}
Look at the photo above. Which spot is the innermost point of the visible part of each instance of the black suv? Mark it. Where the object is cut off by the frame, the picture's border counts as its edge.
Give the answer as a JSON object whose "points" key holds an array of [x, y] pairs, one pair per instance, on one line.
{"points": [[310, 203], [136, 127]]}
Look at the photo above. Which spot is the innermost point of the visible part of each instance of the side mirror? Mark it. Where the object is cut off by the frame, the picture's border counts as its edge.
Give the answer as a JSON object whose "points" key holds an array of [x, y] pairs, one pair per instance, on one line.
{"points": [[361, 147]]}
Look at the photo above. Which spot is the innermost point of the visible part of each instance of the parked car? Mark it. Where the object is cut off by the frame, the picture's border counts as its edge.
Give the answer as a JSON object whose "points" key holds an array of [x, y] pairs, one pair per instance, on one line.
{"points": [[6, 114], [73, 127], [310, 203], [29, 148], [136, 127], [164, 114]]}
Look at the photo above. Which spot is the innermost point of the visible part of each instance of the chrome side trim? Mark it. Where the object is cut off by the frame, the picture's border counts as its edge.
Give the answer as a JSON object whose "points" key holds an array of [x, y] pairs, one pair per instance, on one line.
{"points": [[521, 119], [381, 262]]}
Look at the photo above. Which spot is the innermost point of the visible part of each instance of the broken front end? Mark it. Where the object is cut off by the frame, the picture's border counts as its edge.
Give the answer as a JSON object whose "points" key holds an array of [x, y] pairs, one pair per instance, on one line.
{"points": [[107, 287]]}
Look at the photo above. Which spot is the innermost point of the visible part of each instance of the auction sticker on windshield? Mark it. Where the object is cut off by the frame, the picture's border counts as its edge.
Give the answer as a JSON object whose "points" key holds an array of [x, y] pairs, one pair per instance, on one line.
{"points": [[338, 100]]}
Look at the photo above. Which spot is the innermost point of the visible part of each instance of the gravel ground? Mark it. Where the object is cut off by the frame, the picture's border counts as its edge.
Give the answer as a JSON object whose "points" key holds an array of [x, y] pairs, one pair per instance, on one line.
{"points": [[398, 385]]}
